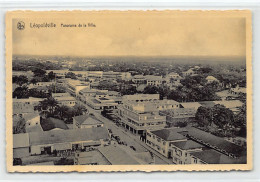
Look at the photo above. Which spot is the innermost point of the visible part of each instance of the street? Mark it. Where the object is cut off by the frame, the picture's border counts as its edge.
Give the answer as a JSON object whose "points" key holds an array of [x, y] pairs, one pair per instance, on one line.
{"points": [[128, 137]]}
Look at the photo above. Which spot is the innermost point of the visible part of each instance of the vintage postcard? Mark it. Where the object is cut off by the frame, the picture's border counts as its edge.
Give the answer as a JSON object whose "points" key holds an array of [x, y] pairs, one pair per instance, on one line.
{"points": [[128, 91]]}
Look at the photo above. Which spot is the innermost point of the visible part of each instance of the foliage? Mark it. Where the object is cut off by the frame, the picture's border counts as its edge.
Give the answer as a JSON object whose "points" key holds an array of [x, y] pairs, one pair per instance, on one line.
{"points": [[20, 80], [21, 92], [38, 72], [48, 106], [204, 116], [222, 116], [56, 89], [71, 75], [181, 124], [19, 127]]}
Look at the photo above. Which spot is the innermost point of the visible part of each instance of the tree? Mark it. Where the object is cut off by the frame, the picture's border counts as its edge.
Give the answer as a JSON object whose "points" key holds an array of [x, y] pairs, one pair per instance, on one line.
{"points": [[79, 110], [151, 89], [48, 106], [34, 92], [19, 127], [71, 75], [203, 116], [62, 111], [222, 116], [21, 92], [20, 80], [240, 121], [39, 72], [56, 89], [51, 75]]}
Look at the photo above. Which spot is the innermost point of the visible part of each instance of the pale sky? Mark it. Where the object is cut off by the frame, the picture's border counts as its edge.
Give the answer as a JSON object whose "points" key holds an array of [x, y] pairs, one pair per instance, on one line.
{"points": [[134, 35]]}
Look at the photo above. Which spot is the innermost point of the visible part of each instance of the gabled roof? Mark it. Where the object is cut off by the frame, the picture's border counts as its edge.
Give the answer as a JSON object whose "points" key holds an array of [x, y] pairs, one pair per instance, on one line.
{"points": [[52, 123], [21, 140], [213, 157], [187, 145], [117, 156], [215, 141], [67, 136], [195, 105], [87, 120], [211, 78], [169, 134]]}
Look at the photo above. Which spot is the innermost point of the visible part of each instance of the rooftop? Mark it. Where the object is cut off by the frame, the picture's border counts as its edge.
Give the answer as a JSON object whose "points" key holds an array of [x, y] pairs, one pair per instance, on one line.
{"points": [[187, 145], [213, 140], [67, 136], [66, 98], [213, 157], [87, 120], [169, 134], [195, 105], [21, 140], [117, 156], [52, 123]]}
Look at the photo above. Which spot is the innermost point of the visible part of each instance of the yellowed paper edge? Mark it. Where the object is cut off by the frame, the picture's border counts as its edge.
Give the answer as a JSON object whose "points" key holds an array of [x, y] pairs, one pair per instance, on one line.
{"points": [[124, 168]]}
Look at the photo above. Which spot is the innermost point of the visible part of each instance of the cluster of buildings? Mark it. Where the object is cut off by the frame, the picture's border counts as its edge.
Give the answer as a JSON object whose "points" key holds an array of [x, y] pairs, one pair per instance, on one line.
{"points": [[190, 145], [144, 115], [110, 75]]}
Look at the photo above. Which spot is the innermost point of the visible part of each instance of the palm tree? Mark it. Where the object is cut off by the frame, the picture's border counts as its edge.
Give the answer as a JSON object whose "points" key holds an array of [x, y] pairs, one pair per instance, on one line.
{"points": [[48, 106], [62, 111], [80, 109]]}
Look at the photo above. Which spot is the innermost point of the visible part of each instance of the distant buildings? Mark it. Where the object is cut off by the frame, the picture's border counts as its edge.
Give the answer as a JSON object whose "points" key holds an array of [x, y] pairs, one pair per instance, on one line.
{"points": [[25, 105], [211, 79], [66, 101], [110, 75], [237, 90], [233, 105], [189, 72], [74, 86], [173, 76], [101, 102], [40, 84], [154, 80]]}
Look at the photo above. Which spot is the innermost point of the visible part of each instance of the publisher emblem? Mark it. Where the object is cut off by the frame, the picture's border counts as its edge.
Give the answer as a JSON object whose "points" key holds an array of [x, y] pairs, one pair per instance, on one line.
{"points": [[20, 25]]}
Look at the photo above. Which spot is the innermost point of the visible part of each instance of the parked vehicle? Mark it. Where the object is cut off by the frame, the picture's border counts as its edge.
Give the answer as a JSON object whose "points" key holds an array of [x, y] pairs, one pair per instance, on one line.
{"points": [[132, 147]]}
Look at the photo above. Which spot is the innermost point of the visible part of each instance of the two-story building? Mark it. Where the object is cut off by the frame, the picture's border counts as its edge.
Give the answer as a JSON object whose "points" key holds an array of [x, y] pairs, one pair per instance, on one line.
{"points": [[139, 117], [74, 86], [161, 140]]}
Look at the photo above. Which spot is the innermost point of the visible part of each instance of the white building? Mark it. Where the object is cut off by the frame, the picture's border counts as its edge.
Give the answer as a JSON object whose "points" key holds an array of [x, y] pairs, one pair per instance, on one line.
{"points": [[74, 86], [161, 140], [211, 79]]}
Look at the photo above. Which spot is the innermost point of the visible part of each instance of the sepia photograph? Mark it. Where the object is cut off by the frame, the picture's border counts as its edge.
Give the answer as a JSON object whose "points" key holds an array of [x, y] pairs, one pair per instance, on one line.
{"points": [[128, 91]]}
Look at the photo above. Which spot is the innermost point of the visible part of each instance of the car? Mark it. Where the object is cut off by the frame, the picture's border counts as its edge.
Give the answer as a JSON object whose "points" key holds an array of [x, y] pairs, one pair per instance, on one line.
{"points": [[132, 147], [124, 143]]}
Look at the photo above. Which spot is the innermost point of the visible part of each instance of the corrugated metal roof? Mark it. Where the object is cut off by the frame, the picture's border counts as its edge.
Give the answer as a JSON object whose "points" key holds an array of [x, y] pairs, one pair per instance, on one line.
{"points": [[65, 136]]}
